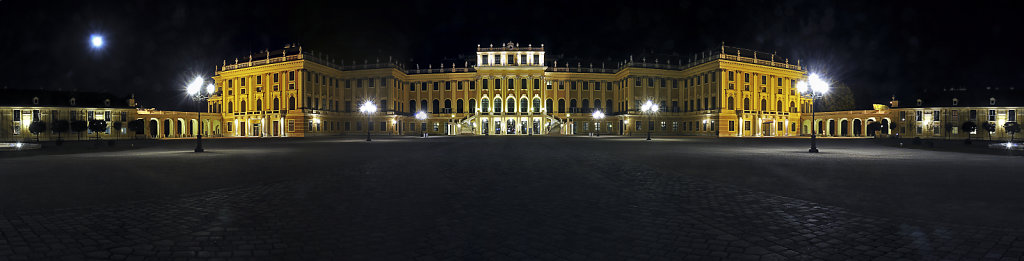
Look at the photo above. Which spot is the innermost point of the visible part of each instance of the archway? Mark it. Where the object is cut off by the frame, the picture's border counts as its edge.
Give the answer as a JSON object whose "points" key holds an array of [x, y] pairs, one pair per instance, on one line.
{"points": [[844, 129], [885, 126], [831, 127], [154, 128], [167, 128], [857, 128]]}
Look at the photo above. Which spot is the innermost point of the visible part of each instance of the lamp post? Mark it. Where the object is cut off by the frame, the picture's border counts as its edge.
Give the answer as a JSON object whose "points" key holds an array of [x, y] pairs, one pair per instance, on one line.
{"points": [[598, 116], [422, 116], [195, 91], [649, 108], [814, 87], [368, 108]]}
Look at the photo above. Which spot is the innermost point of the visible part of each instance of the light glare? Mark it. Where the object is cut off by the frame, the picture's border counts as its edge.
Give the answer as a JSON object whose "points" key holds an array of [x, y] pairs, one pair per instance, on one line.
{"points": [[195, 86], [96, 41]]}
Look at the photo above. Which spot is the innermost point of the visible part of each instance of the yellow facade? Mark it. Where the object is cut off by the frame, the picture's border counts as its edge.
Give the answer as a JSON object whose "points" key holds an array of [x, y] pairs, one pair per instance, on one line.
{"points": [[510, 90]]}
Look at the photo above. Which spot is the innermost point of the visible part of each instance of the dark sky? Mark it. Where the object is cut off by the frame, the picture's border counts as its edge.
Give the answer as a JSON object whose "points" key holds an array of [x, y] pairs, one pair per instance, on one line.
{"points": [[877, 48]]}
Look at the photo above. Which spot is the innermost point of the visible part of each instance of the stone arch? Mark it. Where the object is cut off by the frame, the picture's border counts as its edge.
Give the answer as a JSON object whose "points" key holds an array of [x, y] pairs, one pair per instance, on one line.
{"points": [[844, 127], [831, 127], [858, 128], [154, 127]]}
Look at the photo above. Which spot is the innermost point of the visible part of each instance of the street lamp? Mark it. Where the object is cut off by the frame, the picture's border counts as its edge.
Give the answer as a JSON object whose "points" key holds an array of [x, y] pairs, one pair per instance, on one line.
{"points": [[422, 116], [649, 108], [598, 116], [368, 108], [195, 90], [814, 87]]}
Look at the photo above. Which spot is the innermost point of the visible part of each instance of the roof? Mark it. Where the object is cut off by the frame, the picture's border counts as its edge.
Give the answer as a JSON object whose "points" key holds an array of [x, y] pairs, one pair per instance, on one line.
{"points": [[967, 97], [51, 98]]}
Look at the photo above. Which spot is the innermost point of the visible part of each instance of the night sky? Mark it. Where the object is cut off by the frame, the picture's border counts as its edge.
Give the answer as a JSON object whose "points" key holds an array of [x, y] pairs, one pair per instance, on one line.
{"points": [[877, 48]]}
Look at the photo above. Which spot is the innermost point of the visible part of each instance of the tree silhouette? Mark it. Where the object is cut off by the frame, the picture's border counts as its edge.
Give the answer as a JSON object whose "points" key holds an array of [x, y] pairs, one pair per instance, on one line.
{"points": [[874, 127], [969, 127], [136, 126], [78, 127], [60, 127], [37, 127], [990, 128], [1011, 128], [97, 126]]}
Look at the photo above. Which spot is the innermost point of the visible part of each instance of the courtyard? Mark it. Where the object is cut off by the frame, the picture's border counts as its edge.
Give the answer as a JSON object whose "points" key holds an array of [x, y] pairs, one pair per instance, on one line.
{"points": [[578, 198]]}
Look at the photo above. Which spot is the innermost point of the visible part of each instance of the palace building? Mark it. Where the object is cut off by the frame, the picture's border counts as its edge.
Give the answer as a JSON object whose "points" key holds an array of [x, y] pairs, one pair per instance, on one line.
{"points": [[510, 89]]}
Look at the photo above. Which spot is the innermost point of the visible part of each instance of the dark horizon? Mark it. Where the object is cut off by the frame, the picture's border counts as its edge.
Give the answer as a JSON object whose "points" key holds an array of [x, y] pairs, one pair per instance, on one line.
{"points": [[878, 49]]}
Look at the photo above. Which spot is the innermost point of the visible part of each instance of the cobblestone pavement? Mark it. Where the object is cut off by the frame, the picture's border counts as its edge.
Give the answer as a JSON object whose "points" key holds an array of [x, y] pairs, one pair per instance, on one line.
{"points": [[495, 199]]}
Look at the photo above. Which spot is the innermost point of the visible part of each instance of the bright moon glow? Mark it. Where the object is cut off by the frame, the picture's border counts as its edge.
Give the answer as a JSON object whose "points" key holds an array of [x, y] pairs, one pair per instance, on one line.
{"points": [[195, 86], [96, 40]]}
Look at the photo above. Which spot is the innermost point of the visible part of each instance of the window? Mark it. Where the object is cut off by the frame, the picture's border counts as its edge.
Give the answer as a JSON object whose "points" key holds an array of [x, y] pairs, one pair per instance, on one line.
{"points": [[572, 85], [732, 124], [991, 115], [511, 83], [780, 83], [472, 85], [1011, 115], [497, 84], [549, 85], [956, 115], [241, 82], [291, 125], [973, 115], [459, 85], [561, 85], [435, 84], [936, 115], [383, 126], [746, 77], [731, 77], [746, 125], [764, 79]]}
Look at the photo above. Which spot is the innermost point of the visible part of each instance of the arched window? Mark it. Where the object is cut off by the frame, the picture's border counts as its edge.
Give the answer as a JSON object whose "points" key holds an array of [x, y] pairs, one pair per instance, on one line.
{"points": [[792, 107], [764, 105], [511, 105], [412, 105], [549, 105], [586, 105], [472, 105], [536, 104], [524, 106], [241, 106], [731, 105], [276, 105], [484, 104], [458, 106], [778, 106], [423, 105], [597, 104], [291, 103], [608, 104], [561, 105], [259, 104], [572, 105], [230, 109], [662, 108], [497, 104], [437, 106], [746, 104]]}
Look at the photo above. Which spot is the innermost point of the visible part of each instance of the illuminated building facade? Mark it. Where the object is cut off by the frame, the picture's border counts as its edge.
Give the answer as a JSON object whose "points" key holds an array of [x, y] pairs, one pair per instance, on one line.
{"points": [[510, 89]]}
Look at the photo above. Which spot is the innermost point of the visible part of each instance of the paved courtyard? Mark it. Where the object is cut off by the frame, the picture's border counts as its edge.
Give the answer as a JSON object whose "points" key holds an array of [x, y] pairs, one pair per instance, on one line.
{"points": [[576, 198]]}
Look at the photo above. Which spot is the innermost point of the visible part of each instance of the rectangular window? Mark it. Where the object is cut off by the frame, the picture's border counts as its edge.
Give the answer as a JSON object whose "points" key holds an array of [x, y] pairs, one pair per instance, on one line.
{"points": [[780, 82], [936, 115], [536, 84], [423, 86], [746, 125], [241, 82], [1011, 115], [549, 85], [447, 86], [383, 126], [561, 85], [485, 82], [291, 75], [472, 85], [291, 125], [991, 115], [973, 115], [383, 82], [746, 77], [459, 85], [956, 115]]}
